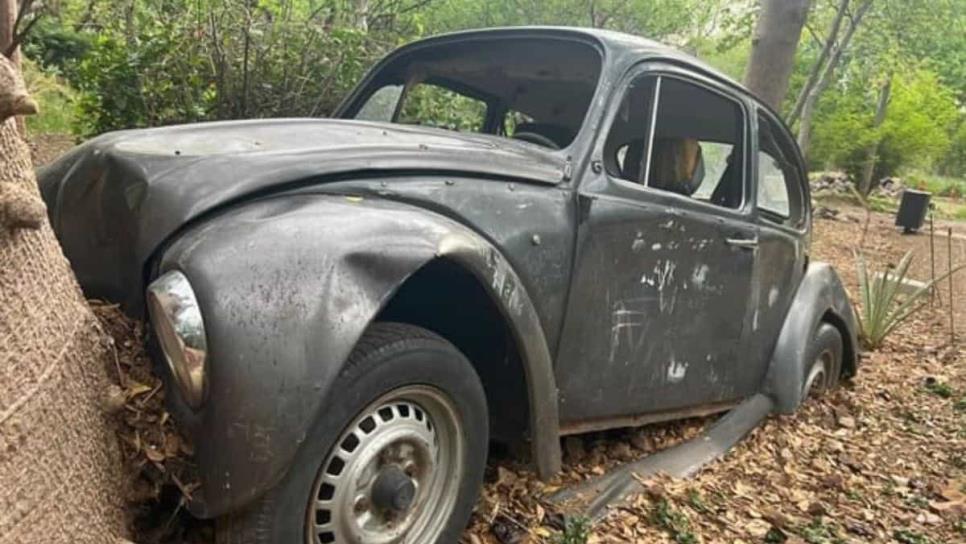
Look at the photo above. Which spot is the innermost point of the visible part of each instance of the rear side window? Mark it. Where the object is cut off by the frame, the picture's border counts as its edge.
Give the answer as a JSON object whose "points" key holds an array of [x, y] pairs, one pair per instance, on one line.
{"points": [[780, 195]]}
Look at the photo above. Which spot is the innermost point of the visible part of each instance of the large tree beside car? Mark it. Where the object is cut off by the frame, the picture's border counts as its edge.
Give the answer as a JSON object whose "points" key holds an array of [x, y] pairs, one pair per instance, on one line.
{"points": [[59, 464]]}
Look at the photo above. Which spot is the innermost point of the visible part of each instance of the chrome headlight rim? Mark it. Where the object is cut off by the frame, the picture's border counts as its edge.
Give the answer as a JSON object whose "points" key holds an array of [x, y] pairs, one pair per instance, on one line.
{"points": [[179, 327]]}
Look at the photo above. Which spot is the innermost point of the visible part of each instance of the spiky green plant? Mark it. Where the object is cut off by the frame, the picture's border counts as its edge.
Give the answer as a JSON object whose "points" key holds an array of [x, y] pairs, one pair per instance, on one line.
{"points": [[883, 306]]}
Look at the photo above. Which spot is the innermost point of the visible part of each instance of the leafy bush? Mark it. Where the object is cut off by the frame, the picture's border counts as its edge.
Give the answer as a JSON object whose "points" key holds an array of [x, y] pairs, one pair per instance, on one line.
{"points": [[917, 132], [190, 62], [954, 163], [55, 46], [141, 83], [57, 101]]}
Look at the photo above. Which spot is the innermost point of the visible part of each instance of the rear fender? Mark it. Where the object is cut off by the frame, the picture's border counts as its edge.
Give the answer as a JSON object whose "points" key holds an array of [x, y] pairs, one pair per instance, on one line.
{"points": [[287, 286], [821, 297]]}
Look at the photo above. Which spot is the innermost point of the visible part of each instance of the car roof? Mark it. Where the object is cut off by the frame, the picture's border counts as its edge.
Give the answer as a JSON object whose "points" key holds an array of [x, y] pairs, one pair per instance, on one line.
{"points": [[620, 49]]}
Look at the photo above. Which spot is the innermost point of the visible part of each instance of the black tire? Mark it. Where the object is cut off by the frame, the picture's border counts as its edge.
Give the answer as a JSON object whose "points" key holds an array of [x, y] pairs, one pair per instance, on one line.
{"points": [[825, 351], [389, 356]]}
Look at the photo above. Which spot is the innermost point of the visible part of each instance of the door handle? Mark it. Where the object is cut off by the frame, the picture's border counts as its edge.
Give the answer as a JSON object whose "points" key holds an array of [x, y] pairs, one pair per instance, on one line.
{"points": [[747, 243]]}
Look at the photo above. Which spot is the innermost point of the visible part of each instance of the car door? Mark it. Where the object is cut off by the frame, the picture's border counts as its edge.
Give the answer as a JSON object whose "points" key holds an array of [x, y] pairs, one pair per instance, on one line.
{"points": [[665, 252], [782, 215]]}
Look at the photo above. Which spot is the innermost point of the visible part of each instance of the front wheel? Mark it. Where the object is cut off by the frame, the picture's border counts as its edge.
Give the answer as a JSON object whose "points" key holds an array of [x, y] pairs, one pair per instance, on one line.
{"points": [[397, 456]]}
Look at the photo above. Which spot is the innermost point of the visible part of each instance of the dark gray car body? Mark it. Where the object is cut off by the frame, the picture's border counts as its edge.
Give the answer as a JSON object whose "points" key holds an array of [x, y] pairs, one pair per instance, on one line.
{"points": [[297, 234]]}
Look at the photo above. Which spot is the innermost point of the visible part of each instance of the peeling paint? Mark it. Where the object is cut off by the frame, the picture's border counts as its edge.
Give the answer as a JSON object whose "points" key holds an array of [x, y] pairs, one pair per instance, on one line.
{"points": [[676, 371], [772, 296], [638, 242], [700, 275], [623, 324]]}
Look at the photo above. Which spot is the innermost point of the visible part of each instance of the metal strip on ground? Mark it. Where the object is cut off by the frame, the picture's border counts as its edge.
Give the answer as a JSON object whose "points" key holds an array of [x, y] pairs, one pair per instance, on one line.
{"points": [[592, 498]]}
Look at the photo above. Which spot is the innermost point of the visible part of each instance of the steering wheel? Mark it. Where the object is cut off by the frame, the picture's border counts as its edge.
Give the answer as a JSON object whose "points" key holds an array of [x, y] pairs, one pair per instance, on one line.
{"points": [[534, 138]]}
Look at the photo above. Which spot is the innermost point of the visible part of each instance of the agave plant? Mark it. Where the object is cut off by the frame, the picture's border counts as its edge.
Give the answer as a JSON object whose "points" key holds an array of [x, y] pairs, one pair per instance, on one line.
{"points": [[884, 304]]}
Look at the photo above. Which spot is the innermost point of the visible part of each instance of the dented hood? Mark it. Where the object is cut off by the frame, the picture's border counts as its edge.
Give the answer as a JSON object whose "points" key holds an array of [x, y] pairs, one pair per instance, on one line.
{"points": [[122, 194]]}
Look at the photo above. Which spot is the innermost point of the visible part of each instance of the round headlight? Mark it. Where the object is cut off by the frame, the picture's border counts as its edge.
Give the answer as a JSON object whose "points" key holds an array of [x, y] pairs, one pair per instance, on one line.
{"points": [[177, 322]]}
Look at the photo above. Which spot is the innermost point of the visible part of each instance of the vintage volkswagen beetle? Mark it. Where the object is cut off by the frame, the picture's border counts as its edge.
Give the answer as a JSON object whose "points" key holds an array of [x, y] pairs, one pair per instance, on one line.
{"points": [[510, 235]]}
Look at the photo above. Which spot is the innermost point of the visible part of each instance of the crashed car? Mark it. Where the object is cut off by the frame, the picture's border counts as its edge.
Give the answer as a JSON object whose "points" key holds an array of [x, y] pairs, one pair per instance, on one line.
{"points": [[506, 236]]}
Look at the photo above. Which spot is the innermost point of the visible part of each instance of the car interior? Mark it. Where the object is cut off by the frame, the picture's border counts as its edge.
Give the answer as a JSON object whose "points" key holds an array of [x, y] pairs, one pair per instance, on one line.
{"points": [[536, 90]]}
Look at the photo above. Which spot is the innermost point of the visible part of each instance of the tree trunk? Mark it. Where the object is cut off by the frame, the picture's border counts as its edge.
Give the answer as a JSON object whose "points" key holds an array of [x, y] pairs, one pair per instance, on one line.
{"points": [[773, 46], [361, 15], [808, 109], [865, 184], [8, 21], [817, 68], [60, 471]]}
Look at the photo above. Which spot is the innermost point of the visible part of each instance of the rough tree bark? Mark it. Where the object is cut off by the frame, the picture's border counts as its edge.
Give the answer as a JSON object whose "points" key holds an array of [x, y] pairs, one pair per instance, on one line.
{"points": [[808, 108], [773, 46], [60, 475]]}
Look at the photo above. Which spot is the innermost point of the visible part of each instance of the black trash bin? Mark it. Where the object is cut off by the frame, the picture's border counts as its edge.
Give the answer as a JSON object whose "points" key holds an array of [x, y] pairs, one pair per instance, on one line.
{"points": [[912, 210]]}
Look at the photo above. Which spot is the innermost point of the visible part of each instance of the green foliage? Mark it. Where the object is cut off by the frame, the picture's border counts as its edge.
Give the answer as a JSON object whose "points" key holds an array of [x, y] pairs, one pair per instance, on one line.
{"points": [[430, 105], [940, 389], [56, 99], [937, 185], [183, 61], [56, 46], [908, 536], [883, 306], [816, 532], [921, 116], [954, 163], [917, 131], [674, 522], [576, 531], [141, 83]]}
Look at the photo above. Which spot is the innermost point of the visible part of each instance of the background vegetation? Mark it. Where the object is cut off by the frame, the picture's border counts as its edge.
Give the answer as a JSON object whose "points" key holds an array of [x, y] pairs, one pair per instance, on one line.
{"points": [[895, 100]]}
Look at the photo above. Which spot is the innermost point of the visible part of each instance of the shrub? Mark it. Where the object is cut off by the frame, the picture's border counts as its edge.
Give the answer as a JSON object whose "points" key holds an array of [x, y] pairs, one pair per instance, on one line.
{"points": [[57, 101], [883, 307]]}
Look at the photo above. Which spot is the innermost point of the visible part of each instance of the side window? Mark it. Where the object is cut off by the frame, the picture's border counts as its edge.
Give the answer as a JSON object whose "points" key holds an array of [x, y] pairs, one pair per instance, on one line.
{"points": [[696, 150], [779, 181], [381, 104], [626, 144], [434, 106]]}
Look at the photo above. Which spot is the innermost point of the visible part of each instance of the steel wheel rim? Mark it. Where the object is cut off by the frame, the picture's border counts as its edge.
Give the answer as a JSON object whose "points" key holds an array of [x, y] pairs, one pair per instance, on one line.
{"points": [[817, 380], [414, 431]]}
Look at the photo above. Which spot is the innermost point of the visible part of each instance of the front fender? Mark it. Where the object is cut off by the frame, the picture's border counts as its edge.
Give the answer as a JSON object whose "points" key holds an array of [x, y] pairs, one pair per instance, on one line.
{"points": [[287, 286], [820, 297]]}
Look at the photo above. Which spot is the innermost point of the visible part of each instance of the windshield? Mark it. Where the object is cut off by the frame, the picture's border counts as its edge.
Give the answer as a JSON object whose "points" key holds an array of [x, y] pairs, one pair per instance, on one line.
{"points": [[537, 90]]}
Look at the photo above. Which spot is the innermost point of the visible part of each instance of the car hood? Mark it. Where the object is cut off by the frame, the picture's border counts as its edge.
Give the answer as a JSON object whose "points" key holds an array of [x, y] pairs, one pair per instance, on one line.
{"points": [[120, 195]]}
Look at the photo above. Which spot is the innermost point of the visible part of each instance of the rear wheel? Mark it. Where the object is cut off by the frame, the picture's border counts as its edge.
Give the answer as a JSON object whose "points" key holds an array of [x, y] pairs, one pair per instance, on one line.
{"points": [[825, 354], [397, 456]]}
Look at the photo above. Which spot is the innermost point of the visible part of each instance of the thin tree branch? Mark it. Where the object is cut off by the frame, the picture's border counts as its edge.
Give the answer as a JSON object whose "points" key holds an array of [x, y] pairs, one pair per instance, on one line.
{"points": [[818, 67]]}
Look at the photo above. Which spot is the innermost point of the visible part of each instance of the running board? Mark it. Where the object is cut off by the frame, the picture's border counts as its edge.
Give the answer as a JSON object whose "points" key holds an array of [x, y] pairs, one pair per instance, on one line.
{"points": [[592, 498]]}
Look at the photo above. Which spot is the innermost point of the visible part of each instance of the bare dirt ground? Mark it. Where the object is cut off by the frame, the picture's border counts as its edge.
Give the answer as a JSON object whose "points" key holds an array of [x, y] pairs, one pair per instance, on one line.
{"points": [[882, 459], [47, 147]]}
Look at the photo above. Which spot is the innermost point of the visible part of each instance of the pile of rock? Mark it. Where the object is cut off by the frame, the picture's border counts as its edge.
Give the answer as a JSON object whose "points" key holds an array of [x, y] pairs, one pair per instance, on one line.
{"points": [[890, 187], [832, 183]]}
